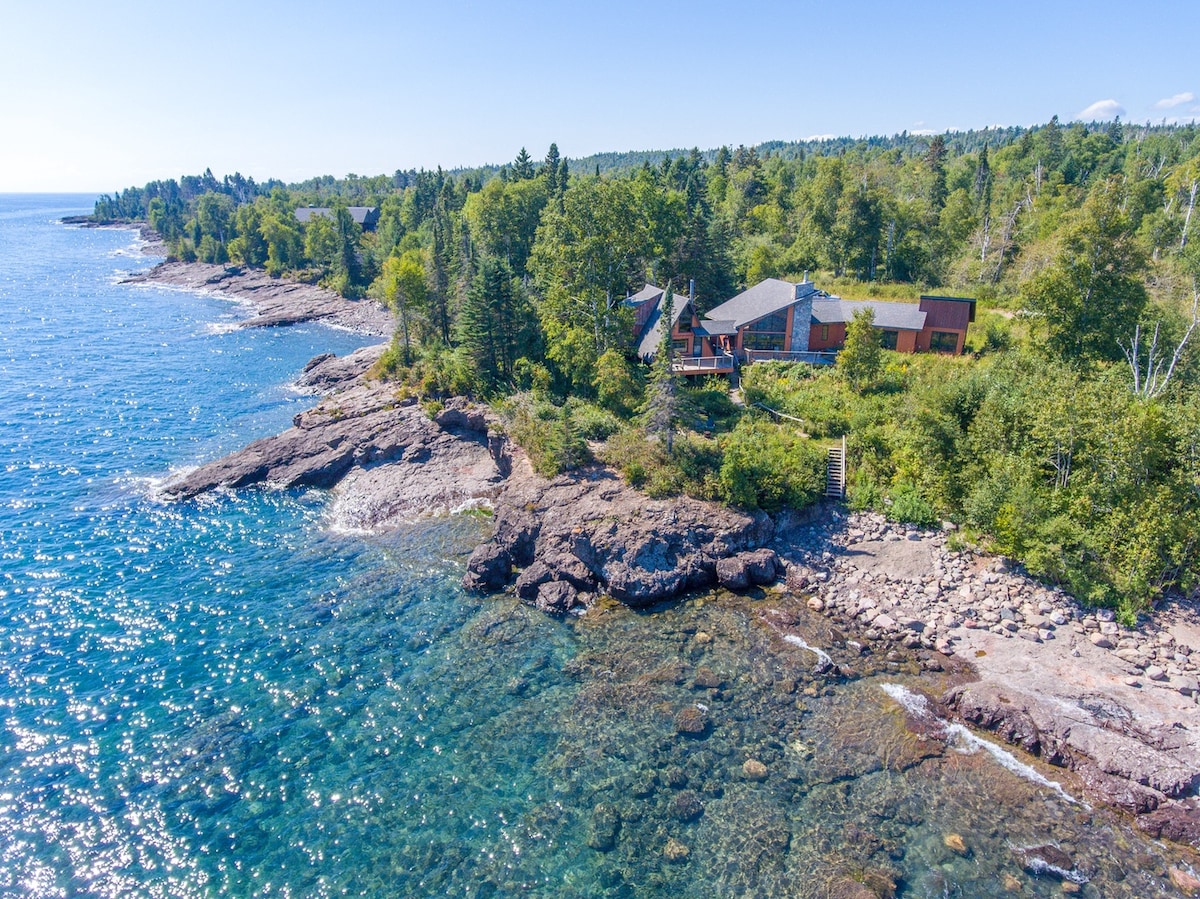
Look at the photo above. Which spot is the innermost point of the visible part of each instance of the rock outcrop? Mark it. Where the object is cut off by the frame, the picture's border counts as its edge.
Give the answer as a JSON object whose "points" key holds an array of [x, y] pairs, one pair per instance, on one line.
{"points": [[587, 533], [386, 460], [276, 301]]}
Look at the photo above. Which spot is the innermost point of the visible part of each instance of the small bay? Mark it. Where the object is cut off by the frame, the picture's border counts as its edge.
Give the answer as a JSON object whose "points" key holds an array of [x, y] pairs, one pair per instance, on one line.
{"points": [[228, 697]]}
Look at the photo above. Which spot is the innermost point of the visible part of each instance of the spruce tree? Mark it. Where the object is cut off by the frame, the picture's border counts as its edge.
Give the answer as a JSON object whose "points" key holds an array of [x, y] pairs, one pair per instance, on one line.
{"points": [[935, 158], [550, 170], [662, 396], [522, 169]]}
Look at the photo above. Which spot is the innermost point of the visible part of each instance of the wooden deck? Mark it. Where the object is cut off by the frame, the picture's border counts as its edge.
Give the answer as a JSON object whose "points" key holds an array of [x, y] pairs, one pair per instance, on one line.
{"points": [[703, 365]]}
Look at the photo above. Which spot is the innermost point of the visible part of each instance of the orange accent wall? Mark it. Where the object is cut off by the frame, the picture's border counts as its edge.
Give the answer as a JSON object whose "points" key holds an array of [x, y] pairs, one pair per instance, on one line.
{"points": [[923, 340], [906, 341], [837, 337]]}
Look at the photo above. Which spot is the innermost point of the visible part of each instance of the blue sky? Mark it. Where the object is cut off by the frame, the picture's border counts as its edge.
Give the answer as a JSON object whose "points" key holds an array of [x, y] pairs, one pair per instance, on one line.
{"points": [[99, 96]]}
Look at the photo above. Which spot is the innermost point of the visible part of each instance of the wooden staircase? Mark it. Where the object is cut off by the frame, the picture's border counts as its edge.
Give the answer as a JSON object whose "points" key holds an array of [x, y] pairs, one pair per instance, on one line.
{"points": [[835, 471]]}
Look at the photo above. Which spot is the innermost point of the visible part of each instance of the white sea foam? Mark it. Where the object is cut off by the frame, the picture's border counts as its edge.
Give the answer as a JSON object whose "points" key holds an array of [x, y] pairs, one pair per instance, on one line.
{"points": [[823, 657], [475, 504], [963, 740], [1036, 865]]}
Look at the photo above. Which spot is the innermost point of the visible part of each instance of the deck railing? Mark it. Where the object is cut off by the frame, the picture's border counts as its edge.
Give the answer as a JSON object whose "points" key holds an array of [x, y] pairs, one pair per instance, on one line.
{"points": [[702, 364], [812, 358]]}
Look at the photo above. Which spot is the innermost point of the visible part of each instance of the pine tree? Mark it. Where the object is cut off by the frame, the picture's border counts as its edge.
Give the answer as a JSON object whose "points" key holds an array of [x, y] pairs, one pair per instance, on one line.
{"points": [[522, 169], [662, 397], [495, 322], [983, 180], [550, 170], [935, 158]]}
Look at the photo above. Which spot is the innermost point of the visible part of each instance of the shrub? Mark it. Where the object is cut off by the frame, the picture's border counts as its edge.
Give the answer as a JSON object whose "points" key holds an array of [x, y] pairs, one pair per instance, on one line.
{"points": [[909, 506], [593, 422], [550, 436], [768, 467]]}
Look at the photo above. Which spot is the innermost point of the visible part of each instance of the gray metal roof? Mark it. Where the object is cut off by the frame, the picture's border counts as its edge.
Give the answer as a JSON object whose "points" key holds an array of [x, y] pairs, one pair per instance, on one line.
{"points": [[653, 333], [649, 292], [717, 328], [888, 316], [762, 299]]}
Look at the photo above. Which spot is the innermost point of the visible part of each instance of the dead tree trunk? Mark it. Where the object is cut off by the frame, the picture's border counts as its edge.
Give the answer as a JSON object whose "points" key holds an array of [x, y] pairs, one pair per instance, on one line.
{"points": [[1188, 217], [1010, 225]]}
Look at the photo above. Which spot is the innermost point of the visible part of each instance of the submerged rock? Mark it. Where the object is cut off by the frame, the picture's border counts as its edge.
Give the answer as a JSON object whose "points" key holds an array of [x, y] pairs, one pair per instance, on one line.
{"points": [[955, 843], [754, 769], [686, 806], [1050, 861], [605, 822], [691, 720], [676, 851]]}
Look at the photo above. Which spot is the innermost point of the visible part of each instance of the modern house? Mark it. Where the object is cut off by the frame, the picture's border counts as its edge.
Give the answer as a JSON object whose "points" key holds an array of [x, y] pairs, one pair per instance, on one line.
{"points": [[777, 319], [701, 348], [366, 216]]}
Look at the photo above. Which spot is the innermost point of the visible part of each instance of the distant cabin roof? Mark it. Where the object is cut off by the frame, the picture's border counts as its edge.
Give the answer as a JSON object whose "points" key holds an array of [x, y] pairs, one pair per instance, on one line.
{"points": [[364, 215], [888, 316], [762, 299]]}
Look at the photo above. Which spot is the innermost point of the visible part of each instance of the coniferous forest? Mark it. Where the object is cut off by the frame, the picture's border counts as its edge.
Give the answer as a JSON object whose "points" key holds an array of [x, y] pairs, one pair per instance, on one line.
{"points": [[1068, 438]]}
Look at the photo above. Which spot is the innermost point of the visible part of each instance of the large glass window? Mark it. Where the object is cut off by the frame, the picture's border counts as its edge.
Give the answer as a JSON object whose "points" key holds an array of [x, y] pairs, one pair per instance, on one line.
{"points": [[943, 342], [887, 339], [776, 321], [754, 341], [768, 333]]}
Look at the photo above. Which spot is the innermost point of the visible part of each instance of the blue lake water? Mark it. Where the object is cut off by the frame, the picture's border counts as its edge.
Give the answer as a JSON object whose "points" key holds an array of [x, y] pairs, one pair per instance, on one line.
{"points": [[225, 697]]}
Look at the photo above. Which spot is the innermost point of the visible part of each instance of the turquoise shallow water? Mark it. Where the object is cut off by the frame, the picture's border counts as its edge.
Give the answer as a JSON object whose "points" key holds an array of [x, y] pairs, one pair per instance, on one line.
{"points": [[226, 698]]}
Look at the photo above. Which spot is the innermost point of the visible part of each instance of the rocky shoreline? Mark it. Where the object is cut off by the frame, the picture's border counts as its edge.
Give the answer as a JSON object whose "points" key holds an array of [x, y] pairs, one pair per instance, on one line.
{"points": [[275, 301], [1116, 705]]}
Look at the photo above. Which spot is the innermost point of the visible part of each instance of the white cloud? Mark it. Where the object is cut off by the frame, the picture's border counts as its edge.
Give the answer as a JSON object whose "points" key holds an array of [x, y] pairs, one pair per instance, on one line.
{"points": [[1100, 110], [1177, 100]]}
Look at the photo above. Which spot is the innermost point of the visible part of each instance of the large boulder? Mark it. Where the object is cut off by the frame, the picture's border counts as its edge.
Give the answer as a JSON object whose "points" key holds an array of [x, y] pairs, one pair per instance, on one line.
{"points": [[488, 570]]}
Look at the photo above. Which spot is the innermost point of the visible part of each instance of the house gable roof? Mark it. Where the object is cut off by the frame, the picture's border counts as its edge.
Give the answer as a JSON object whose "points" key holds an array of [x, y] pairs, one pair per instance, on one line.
{"points": [[649, 292], [762, 299], [652, 333]]}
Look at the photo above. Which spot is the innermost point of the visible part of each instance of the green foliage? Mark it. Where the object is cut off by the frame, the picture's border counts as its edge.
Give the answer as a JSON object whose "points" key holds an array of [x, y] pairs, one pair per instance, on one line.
{"points": [[550, 435], [402, 286], [438, 371], [768, 467], [860, 360], [1093, 295], [495, 323], [618, 383], [909, 506]]}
